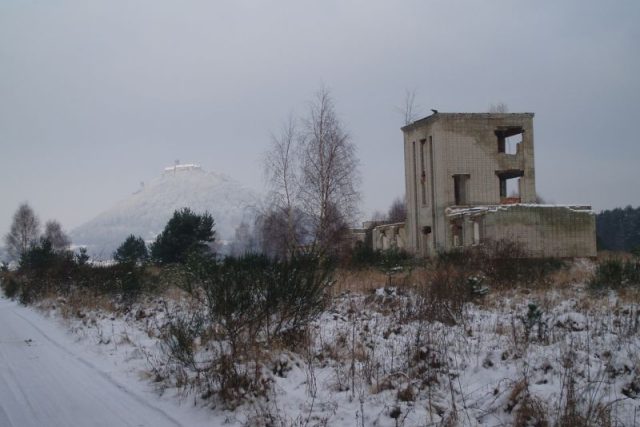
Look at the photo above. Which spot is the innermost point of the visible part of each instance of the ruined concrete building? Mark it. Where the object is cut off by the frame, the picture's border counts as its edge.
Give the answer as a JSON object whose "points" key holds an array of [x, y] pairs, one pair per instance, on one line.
{"points": [[470, 178]]}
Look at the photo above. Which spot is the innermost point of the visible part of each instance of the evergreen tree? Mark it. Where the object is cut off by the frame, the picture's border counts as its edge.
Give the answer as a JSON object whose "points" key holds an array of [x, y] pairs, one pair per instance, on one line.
{"points": [[185, 233], [133, 250], [619, 229]]}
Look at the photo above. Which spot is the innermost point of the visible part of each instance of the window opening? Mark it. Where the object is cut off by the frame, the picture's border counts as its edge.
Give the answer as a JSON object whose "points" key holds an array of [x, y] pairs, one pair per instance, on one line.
{"points": [[460, 189], [509, 139], [476, 232], [510, 186], [511, 144], [423, 173], [415, 190], [456, 233]]}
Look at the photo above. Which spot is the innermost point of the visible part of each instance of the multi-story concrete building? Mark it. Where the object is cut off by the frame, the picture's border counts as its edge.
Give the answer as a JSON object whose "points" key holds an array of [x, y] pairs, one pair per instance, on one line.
{"points": [[470, 178]]}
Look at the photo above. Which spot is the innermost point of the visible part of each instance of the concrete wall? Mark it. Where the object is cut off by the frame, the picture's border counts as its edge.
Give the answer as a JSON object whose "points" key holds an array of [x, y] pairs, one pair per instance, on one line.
{"points": [[389, 236], [543, 231]]}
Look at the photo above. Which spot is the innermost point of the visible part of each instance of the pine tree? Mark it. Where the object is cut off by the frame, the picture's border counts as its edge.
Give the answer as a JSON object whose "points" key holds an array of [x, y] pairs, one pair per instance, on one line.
{"points": [[132, 251], [185, 233]]}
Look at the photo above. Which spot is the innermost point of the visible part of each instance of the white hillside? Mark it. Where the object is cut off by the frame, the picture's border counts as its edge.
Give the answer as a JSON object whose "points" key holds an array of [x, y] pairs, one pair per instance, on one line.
{"points": [[146, 212]]}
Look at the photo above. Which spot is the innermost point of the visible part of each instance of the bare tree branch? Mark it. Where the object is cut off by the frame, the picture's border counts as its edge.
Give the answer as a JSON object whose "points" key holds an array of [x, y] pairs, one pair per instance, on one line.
{"points": [[499, 107], [59, 240], [410, 110]]}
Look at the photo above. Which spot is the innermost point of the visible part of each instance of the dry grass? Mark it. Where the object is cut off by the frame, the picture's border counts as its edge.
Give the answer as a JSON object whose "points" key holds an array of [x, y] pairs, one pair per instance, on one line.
{"points": [[76, 304], [608, 255], [579, 271], [366, 281], [531, 413]]}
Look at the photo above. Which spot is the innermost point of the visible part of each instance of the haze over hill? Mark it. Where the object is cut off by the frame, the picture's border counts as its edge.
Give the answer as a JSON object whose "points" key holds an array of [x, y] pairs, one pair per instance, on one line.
{"points": [[146, 212]]}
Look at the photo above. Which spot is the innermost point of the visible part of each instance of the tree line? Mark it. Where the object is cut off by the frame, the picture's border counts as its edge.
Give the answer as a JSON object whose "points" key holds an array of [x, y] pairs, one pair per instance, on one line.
{"points": [[619, 229]]}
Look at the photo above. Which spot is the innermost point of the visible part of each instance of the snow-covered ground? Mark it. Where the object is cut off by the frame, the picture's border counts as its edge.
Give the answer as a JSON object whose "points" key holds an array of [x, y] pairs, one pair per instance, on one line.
{"points": [[51, 377], [371, 362]]}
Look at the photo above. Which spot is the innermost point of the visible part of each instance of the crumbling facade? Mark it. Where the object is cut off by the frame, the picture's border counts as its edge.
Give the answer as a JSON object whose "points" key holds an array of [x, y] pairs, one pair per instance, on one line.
{"points": [[471, 178]]}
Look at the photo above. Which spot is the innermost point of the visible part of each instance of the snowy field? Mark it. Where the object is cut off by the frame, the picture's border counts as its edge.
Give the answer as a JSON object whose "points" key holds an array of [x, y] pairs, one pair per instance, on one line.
{"points": [[570, 359]]}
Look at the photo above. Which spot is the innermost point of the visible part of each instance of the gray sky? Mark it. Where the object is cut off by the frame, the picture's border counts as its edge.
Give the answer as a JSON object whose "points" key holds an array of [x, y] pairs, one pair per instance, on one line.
{"points": [[98, 96]]}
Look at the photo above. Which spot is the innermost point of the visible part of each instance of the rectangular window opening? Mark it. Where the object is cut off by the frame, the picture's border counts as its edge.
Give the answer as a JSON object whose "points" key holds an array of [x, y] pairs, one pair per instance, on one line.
{"points": [[423, 173], [456, 233], [460, 189], [509, 139], [511, 144], [510, 187], [476, 233], [415, 191]]}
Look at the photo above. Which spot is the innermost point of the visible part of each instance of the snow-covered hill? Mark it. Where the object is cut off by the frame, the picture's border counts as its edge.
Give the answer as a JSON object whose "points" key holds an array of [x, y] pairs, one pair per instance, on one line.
{"points": [[146, 212]]}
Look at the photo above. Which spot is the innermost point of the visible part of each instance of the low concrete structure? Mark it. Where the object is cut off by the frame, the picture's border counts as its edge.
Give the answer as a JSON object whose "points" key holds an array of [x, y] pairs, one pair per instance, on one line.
{"points": [[470, 177], [389, 236], [542, 230]]}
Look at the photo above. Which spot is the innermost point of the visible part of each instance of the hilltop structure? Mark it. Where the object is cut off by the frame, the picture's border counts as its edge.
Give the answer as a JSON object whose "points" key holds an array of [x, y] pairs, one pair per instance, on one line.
{"points": [[470, 178], [146, 212]]}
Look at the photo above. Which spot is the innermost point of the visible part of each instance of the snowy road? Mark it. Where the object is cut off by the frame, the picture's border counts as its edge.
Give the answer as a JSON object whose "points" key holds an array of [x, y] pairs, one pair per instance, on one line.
{"points": [[43, 383]]}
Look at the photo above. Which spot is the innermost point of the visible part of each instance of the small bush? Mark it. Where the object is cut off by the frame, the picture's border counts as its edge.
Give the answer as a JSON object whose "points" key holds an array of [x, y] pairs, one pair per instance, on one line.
{"points": [[615, 274], [130, 278], [247, 304], [442, 296], [81, 258], [253, 292], [363, 256], [503, 263], [10, 285], [533, 320], [180, 337]]}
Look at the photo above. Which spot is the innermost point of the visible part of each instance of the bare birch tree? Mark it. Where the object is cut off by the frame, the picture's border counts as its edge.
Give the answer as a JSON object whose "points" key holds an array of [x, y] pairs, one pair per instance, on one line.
{"points": [[281, 225], [24, 231], [313, 177], [53, 233], [329, 177], [409, 109]]}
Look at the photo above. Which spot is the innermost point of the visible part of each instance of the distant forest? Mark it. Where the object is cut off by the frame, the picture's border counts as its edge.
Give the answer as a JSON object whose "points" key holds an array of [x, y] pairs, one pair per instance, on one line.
{"points": [[619, 229]]}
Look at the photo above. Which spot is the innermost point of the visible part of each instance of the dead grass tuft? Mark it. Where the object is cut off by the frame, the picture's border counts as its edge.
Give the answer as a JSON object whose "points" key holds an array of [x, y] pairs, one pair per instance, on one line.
{"points": [[531, 413]]}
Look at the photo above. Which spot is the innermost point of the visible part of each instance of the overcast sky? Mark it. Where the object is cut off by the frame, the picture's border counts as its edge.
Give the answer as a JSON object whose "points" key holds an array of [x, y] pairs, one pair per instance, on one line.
{"points": [[97, 96]]}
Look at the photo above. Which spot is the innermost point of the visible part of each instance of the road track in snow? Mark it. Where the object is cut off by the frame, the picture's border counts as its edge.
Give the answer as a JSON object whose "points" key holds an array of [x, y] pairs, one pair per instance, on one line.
{"points": [[44, 383]]}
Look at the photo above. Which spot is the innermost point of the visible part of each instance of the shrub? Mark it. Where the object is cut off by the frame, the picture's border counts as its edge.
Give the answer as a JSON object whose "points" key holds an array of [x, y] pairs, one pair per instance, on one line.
{"points": [[82, 258], [533, 319], [180, 336], [42, 257], [133, 250], [363, 256], [10, 285], [185, 233], [504, 263], [130, 278], [248, 302], [615, 274], [256, 293], [442, 296], [43, 270]]}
